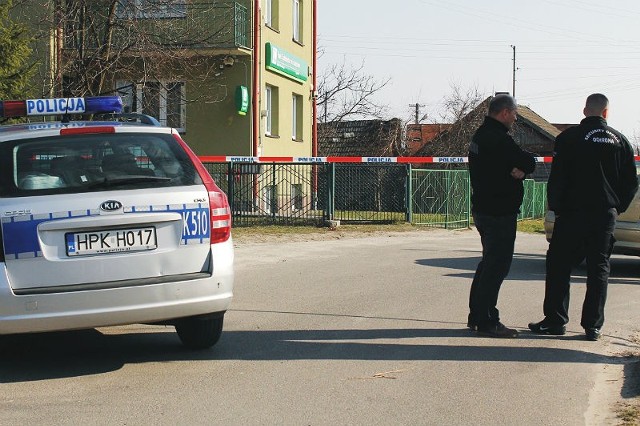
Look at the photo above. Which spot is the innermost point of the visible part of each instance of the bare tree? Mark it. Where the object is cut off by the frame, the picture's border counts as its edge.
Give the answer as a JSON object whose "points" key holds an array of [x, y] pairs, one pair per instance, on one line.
{"points": [[635, 142], [15, 49], [464, 109], [460, 102], [346, 92], [96, 41]]}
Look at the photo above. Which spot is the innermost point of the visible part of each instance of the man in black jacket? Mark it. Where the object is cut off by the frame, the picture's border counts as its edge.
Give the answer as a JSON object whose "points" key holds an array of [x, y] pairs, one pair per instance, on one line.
{"points": [[592, 180], [497, 166]]}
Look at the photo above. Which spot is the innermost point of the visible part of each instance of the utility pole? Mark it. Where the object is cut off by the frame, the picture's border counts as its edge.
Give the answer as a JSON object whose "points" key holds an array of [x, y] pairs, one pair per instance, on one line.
{"points": [[325, 106], [417, 107], [514, 71]]}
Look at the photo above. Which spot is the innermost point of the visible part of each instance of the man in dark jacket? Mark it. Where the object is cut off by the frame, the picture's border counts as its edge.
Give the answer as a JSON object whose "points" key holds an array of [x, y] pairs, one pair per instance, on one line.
{"points": [[497, 166], [592, 180]]}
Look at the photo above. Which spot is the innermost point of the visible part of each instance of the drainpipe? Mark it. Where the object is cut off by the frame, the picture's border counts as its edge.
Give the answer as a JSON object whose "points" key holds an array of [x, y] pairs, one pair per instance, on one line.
{"points": [[256, 76], [314, 135], [314, 124]]}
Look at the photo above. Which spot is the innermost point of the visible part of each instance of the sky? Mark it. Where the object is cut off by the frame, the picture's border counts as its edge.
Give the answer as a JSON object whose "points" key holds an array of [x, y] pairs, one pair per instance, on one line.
{"points": [[564, 51]]}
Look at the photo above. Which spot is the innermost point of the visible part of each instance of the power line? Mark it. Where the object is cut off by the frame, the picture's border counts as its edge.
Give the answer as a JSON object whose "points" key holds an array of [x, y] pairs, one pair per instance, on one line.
{"points": [[518, 23]]}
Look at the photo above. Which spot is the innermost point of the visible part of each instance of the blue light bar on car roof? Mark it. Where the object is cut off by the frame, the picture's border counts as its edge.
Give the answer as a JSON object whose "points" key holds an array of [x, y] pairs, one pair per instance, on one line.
{"points": [[61, 106]]}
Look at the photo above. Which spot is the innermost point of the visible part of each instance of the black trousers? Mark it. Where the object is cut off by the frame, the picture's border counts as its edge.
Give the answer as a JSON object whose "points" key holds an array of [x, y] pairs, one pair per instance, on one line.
{"points": [[579, 235], [498, 236]]}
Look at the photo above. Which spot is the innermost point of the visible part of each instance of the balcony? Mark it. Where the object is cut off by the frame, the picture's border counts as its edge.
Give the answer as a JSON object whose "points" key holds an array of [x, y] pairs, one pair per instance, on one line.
{"points": [[146, 26]]}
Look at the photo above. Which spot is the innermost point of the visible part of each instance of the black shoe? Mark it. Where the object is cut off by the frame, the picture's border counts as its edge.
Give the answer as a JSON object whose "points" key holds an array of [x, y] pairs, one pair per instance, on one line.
{"points": [[498, 330], [543, 328], [592, 334], [471, 323]]}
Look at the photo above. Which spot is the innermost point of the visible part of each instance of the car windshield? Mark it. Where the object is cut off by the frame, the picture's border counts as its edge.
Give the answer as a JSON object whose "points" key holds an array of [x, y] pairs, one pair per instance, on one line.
{"points": [[78, 163]]}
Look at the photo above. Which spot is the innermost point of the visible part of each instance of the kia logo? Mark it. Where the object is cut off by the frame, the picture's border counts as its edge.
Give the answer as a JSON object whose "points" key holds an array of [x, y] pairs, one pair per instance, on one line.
{"points": [[111, 205]]}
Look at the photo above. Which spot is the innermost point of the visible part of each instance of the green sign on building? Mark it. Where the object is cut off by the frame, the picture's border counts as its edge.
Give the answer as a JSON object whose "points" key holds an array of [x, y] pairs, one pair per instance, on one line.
{"points": [[283, 62], [242, 100]]}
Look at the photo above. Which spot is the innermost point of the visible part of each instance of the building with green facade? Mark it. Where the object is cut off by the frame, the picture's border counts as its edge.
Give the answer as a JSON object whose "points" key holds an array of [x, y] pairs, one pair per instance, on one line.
{"points": [[235, 78]]}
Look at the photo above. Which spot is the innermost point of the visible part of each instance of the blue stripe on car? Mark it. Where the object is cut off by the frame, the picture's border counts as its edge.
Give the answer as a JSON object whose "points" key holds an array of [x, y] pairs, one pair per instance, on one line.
{"points": [[20, 233]]}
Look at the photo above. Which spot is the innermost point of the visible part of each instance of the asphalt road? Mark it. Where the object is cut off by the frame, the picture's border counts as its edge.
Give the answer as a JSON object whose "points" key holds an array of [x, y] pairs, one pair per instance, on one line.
{"points": [[358, 331]]}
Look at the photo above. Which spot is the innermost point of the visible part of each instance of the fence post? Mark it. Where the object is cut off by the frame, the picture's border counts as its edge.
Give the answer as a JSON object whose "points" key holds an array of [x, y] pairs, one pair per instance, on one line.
{"points": [[275, 201], [534, 209], [409, 186], [468, 182], [448, 200], [544, 199], [230, 188], [331, 191]]}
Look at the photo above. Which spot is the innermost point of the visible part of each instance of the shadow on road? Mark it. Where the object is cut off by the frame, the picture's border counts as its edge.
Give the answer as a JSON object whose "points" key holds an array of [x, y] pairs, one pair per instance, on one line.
{"points": [[46, 356], [631, 387], [525, 266], [531, 267]]}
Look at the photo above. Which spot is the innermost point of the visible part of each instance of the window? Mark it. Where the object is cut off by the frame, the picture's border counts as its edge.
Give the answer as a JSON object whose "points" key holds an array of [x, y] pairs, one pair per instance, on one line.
{"points": [[151, 9], [271, 108], [271, 13], [163, 100], [296, 118], [268, 95], [268, 13], [296, 196], [297, 20], [175, 105], [73, 164], [270, 198]]}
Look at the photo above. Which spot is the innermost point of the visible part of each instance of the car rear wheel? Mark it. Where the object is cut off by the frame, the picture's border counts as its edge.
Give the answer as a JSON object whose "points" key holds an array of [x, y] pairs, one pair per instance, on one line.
{"points": [[199, 332]]}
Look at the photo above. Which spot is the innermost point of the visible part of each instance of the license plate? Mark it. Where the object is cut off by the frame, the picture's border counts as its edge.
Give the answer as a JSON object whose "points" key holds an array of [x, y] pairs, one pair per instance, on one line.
{"points": [[111, 241]]}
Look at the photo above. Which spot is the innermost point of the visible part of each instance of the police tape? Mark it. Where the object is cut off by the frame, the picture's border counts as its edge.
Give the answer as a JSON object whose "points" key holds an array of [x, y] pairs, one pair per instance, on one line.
{"points": [[322, 160]]}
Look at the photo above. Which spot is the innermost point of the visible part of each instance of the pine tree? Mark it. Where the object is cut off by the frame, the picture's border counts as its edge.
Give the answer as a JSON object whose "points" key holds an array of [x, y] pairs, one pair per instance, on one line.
{"points": [[16, 70]]}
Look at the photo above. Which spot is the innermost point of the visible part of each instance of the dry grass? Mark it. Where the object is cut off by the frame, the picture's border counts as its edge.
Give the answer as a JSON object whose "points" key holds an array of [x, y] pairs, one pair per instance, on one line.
{"points": [[628, 413], [314, 232], [311, 233]]}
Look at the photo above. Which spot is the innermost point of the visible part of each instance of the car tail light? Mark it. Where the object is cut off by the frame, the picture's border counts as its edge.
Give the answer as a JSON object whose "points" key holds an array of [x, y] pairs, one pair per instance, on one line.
{"points": [[220, 216], [87, 130], [219, 208]]}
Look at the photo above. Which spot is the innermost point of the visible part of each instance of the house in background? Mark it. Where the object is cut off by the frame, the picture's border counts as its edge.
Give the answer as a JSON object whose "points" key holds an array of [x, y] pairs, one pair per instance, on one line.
{"points": [[361, 138], [418, 135], [563, 126], [532, 132], [240, 79], [454, 141]]}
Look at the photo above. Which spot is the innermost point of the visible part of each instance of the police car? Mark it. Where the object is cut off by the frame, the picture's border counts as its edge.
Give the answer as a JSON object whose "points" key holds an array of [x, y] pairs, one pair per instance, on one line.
{"points": [[108, 223]]}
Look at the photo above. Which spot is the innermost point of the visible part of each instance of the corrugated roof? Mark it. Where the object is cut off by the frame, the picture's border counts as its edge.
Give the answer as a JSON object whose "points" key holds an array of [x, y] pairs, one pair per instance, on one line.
{"points": [[542, 125], [359, 138], [463, 129]]}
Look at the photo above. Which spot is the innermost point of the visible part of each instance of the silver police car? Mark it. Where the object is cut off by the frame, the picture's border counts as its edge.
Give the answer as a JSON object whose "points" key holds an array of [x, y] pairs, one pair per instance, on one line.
{"points": [[108, 223]]}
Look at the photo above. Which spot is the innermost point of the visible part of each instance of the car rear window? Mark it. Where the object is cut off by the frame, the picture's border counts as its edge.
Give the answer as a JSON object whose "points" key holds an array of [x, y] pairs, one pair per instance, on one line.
{"points": [[93, 162]]}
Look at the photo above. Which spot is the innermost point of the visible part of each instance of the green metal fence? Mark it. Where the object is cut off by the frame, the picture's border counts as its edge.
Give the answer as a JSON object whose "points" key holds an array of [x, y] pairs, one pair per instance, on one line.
{"points": [[440, 198], [310, 194], [271, 193], [365, 192], [534, 204]]}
